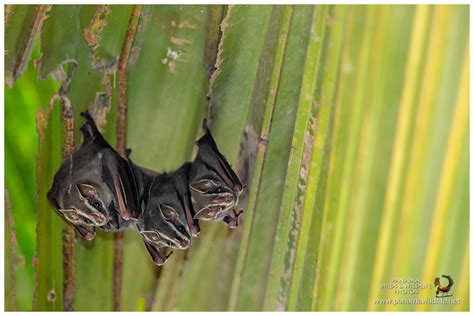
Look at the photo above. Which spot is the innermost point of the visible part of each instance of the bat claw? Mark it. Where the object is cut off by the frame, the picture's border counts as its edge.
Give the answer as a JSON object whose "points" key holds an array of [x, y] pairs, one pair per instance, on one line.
{"points": [[238, 214]]}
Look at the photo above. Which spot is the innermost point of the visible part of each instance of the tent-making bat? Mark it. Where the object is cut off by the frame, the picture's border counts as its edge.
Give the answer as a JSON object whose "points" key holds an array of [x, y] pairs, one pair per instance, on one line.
{"points": [[95, 186], [167, 218], [214, 186]]}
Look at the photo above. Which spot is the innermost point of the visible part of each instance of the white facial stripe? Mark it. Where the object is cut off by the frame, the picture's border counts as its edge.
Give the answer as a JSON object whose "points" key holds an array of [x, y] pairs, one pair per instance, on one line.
{"points": [[93, 209], [90, 207], [203, 180], [207, 219], [194, 189], [166, 237], [144, 233], [73, 209], [74, 221], [178, 232]]}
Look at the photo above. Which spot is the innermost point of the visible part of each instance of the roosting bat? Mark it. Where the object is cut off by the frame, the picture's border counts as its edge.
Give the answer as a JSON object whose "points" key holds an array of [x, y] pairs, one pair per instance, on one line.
{"points": [[167, 217], [214, 186], [96, 187]]}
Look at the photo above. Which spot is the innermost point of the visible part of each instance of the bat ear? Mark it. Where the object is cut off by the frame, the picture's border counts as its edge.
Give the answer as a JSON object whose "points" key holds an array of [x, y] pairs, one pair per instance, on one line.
{"points": [[206, 214], [168, 212], [151, 236], [203, 185], [52, 198], [71, 215], [86, 190]]}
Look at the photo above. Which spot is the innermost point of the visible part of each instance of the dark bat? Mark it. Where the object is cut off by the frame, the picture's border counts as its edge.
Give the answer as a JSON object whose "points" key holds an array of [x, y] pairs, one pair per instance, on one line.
{"points": [[167, 217], [214, 186], [95, 186]]}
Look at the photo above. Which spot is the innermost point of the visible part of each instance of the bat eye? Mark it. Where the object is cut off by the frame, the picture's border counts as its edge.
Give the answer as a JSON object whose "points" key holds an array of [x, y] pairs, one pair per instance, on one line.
{"points": [[181, 230]]}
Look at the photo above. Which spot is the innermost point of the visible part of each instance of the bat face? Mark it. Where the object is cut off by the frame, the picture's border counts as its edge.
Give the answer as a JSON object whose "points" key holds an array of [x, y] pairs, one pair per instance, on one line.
{"points": [[212, 195], [214, 186], [82, 202], [164, 222], [164, 216]]}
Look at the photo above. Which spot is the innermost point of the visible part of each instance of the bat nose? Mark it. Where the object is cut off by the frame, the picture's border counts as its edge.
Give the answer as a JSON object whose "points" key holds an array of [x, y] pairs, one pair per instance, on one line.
{"points": [[224, 198], [184, 242]]}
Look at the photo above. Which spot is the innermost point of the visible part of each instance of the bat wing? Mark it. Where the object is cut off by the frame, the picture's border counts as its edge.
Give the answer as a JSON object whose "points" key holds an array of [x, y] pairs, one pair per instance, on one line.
{"points": [[181, 180], [119, 172], [91, 133]]}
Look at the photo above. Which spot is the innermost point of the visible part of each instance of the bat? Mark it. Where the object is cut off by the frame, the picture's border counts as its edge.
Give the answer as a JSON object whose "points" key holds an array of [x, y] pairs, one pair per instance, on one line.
{"points": [[167, 217], [96, 187], [214, 186]]}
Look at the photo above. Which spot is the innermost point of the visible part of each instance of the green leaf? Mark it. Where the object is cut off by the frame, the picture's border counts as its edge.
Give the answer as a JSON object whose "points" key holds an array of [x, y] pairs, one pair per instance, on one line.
{"points": [[105, 33], [10, 266], [23, 23], [258, 257], [297, 171], [49, 225], [21, 142], [266, 123], [59, 43], [348, 124], [306, 256]]}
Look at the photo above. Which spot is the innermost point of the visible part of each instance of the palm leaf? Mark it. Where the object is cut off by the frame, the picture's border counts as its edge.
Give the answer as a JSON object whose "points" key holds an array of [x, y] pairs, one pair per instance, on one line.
{"points": [[348, 124]]}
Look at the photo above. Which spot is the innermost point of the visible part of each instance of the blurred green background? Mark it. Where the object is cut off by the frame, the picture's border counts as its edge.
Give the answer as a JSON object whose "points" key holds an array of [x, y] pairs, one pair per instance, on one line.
{"points": [[349, 124]]}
